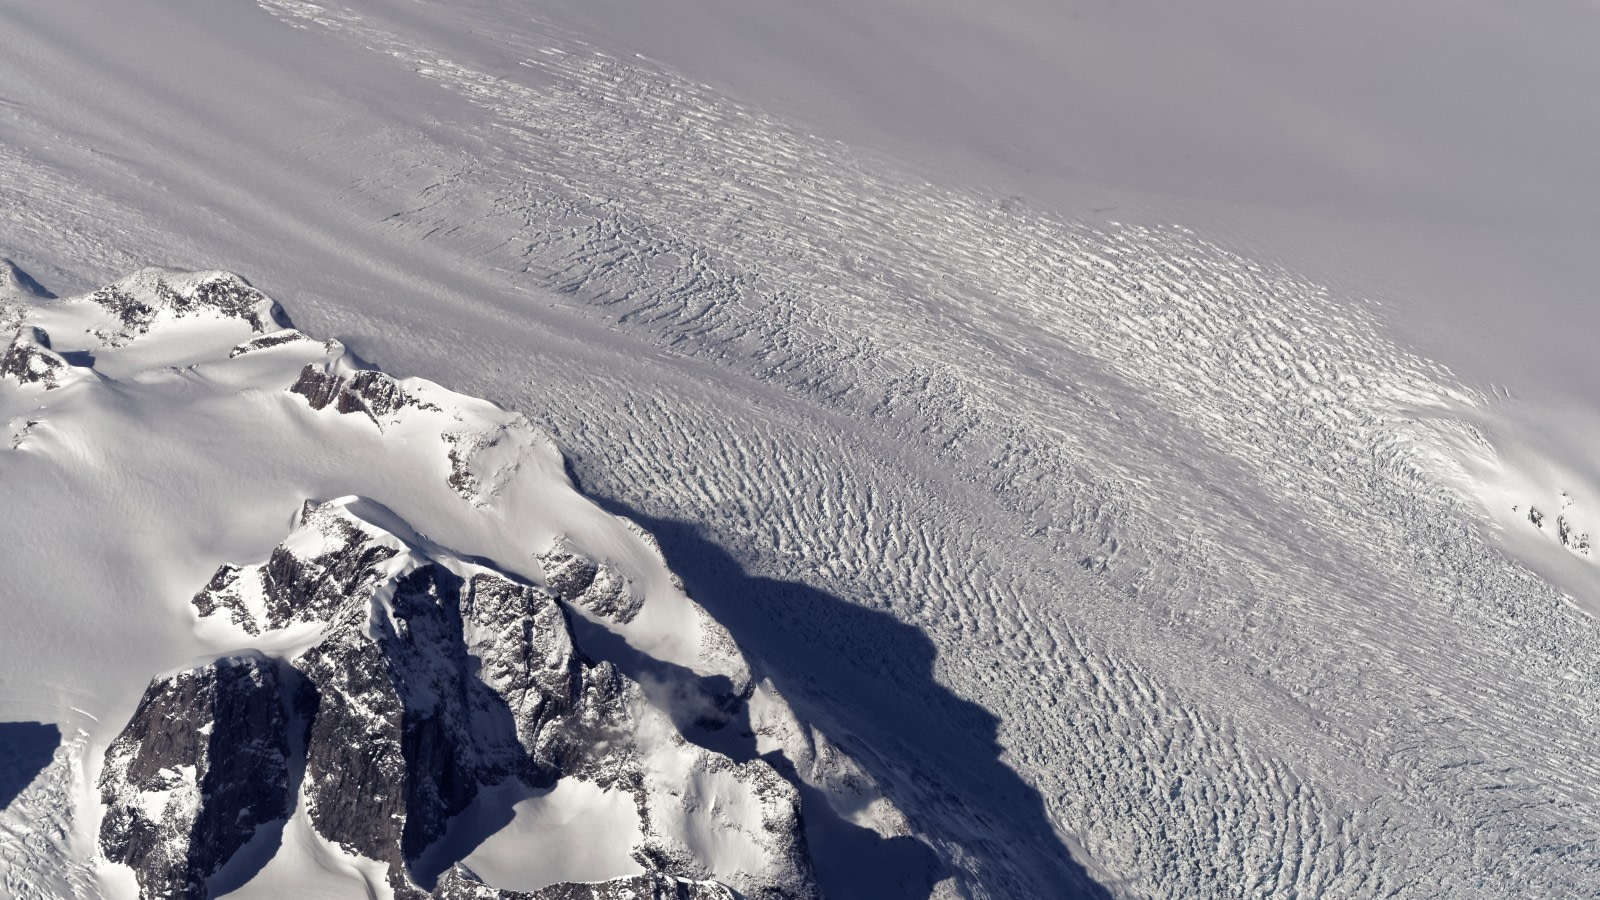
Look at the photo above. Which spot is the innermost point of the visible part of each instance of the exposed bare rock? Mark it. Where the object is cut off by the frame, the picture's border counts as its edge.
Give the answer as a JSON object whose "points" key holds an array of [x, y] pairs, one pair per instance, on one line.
{"points": [[30, 360], [370, 392], [136, 302], [275, 339], [311, 581], [202, 765], [225, 592], [432, 679], [458, 884], [597, 587]]}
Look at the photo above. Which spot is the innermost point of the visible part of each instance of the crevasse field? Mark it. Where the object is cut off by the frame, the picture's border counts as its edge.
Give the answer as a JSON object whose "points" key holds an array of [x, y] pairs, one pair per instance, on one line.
{"points": [[1081, 449]]}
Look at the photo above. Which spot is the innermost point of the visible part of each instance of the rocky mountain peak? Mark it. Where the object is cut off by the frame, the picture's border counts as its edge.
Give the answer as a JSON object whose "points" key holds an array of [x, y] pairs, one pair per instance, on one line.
{"points": [[30, 360], [139, 300], [202, 765], [427, 681]]}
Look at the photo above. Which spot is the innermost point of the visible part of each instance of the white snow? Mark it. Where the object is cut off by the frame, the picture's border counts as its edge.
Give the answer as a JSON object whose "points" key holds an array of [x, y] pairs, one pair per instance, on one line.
{"points": [[1121, 419], [576, 831], [306, 865]]}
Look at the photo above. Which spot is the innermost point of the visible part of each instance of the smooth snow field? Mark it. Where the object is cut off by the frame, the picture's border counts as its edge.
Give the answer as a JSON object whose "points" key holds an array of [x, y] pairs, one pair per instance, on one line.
{"points": [[1139, 449]]}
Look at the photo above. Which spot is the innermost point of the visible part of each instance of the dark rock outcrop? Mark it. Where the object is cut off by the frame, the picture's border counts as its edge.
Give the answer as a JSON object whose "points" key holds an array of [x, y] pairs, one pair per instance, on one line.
{"points": [[311, 587], [30, 360], [222, 593], [275, 339], [402, 736], [425, 680], [373, 393], [597, 587], [424, 687], [137, 300], [458, 884], [202, 765], [558, 701]]}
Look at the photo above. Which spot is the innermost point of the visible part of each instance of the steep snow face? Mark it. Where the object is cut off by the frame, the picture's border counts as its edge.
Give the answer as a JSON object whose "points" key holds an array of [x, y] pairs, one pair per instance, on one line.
{"points": [[398, 667]]}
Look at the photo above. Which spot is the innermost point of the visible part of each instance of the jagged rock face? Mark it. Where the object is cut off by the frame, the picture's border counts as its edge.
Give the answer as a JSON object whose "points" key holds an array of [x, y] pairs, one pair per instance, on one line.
{"points": [[275, 339], [407, 678], [567, 573], [404, 730], [373, 393], [136, 301], [30, 360], [594, 586], [403, 734], [203, 763], [222, 593], [302, 586], [457, 884], [307, 582], [520, 637], [430, 681]]}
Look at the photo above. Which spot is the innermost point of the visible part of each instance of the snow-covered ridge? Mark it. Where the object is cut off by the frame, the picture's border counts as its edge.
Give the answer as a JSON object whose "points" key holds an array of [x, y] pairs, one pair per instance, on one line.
{"points": [[363, 693], [137, 302], [425, 682]]}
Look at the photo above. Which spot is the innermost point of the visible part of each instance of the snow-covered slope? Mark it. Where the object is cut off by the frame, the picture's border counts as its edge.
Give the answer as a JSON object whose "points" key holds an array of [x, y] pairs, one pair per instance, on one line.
{"points": [[1142, 490], [388, 703]]}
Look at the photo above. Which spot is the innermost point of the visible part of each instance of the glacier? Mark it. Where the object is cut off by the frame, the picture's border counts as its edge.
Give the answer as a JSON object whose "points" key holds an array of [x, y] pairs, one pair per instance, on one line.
{"points": [[1152, 461]]}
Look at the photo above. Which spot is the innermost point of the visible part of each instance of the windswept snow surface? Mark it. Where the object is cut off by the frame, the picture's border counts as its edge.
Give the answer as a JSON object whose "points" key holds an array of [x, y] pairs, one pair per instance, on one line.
{"points": [[1194, 553]]}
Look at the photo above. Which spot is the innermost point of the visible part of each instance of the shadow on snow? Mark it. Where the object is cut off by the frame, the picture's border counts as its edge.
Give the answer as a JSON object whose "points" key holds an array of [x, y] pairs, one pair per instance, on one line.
{"points": [[868, 679], [25, 749]]}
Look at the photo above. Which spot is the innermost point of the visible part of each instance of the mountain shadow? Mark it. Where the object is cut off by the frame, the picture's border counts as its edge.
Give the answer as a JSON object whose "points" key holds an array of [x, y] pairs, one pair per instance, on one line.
{"points": [[25, 749], [868, 679]]}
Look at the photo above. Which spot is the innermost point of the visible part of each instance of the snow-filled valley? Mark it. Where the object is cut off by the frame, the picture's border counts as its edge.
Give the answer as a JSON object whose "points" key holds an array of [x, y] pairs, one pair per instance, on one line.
{"points": [[898, 526]]}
